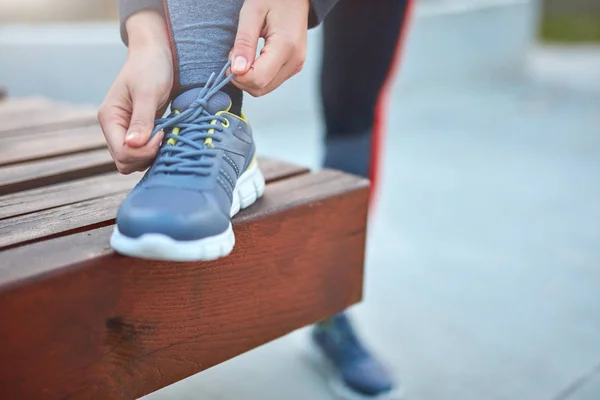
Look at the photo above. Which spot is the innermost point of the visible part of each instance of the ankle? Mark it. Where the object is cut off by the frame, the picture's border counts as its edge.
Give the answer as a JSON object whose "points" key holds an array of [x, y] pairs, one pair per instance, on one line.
{"points": [[236, 95]]}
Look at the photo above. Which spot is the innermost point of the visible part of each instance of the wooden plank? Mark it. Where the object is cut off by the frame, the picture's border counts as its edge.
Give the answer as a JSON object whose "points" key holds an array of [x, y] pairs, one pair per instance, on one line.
{"points": [[45, 120], [276, 170], [80, 322], [50, 144], [72, 192], [39, 173], [52, 196], [99, 209], [12, 107], [49, 171]]}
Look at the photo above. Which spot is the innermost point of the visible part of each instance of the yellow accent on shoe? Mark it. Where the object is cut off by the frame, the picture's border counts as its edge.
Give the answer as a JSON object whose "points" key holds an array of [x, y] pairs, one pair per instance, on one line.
{"points": [[209, 141], [251, 163], [175, 131], [242, 117]]}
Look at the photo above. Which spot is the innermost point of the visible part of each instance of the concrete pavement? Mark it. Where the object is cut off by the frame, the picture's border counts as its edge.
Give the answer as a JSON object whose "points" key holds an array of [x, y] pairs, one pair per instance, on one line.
{"points": [[482, 274], [483, 278]]}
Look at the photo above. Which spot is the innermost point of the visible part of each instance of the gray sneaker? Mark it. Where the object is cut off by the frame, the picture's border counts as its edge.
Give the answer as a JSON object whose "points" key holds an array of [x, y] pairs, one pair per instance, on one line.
{"points": [[204, 173]]}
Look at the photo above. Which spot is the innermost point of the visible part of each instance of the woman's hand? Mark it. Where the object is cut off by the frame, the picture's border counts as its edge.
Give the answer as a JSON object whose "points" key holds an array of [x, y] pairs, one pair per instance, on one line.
{"points": [[139, 95], [283, 25]]}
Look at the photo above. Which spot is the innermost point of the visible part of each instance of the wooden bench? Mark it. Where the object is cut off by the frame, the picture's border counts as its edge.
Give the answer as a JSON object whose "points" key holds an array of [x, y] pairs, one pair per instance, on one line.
{"points": [[81, 322]]}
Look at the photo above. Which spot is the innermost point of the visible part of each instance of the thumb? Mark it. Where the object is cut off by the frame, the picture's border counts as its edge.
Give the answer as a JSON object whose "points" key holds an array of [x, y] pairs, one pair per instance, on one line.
{"points": [[252, 19], [142, 120]]}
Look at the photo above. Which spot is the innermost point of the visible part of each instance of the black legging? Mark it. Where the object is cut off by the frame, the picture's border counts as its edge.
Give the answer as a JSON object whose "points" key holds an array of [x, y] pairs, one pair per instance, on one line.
{"points": [[359, 45]]}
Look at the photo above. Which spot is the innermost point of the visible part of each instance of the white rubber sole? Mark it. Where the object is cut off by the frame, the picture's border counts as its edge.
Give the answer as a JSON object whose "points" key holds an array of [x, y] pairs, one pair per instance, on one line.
{"points": [[155, 246]]}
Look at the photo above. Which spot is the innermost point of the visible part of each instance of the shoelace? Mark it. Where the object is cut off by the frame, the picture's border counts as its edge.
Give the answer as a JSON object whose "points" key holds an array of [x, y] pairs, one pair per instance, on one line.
{"points": [[190, 154]]}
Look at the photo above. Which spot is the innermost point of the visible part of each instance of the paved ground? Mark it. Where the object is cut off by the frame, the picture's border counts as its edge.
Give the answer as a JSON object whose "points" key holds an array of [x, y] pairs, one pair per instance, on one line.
{"points": [[483, 278], [483, 274]]}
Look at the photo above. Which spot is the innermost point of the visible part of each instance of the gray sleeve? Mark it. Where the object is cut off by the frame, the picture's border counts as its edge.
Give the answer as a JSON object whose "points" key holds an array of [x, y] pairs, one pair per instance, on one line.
{"points": [[129, 7], [318, 11]]}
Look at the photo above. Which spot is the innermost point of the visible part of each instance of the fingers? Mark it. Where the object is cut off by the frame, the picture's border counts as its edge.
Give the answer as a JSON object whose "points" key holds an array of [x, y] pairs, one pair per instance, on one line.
{"points": [[283, 26], [273, 64], [114, 120], [145, 106], [139, 93], [132, 160], [252, 18], [286, 72]]}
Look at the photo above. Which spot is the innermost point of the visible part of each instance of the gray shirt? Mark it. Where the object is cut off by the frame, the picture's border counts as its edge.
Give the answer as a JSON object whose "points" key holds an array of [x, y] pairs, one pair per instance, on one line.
{"points": [[319, 9]]}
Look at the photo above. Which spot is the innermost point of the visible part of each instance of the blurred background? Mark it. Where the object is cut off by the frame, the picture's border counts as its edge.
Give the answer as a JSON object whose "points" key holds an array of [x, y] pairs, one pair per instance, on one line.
{"points": [[483, 278]]}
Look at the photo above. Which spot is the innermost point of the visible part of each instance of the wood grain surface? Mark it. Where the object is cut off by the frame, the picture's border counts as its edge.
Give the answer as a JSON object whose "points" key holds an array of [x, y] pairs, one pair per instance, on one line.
{"points": [[80, 322], [40, 199], [87, 204], [15, 178], [50, 144], [53, 117]]}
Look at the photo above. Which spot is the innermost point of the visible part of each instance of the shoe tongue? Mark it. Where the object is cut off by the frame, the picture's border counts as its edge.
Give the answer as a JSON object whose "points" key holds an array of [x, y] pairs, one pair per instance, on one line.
{"points": [[218, 102]]}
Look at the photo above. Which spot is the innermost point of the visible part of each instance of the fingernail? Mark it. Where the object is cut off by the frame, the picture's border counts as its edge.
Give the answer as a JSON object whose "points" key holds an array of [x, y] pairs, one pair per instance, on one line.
{"points": [[132, 136], [240, 63]]}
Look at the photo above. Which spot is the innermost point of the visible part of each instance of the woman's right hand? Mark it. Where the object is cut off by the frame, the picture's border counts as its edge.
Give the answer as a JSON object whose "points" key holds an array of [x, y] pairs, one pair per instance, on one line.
{"points": [[139, 95]]}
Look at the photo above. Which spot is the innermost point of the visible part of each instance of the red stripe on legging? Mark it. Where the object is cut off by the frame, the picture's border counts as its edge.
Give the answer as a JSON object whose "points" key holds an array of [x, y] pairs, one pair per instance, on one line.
{"points": [[382, 104]]}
